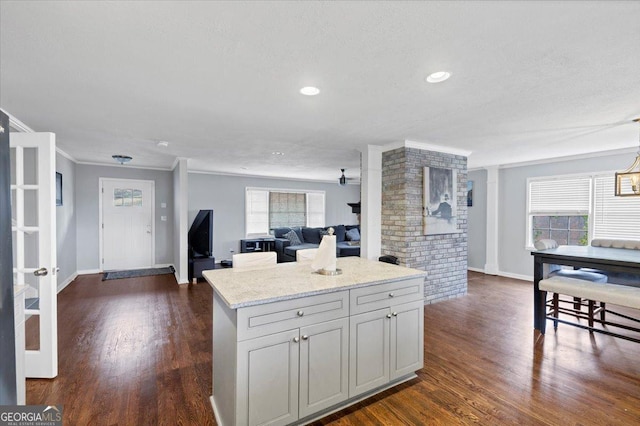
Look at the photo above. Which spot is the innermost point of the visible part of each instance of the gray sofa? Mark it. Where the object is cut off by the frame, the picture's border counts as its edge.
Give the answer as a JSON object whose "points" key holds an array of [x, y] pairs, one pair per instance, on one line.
{"points": [[310, 238]]}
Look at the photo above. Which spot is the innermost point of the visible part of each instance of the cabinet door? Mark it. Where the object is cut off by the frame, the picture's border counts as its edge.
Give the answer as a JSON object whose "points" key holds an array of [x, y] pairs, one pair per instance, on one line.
{"points": [[407, 338], [368, 351], [268, 379], [324, 358]]}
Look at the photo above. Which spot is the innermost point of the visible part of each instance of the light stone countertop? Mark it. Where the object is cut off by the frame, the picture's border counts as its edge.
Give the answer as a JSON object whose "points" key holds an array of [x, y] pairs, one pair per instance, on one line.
{"points": [[247, 287]]}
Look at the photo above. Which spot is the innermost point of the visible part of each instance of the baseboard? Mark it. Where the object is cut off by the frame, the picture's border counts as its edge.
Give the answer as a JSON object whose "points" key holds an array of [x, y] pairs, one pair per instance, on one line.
{"points": [[66, 282], [163, 265], [516, 276], [504, 274], [186, 281], [89, 271]]}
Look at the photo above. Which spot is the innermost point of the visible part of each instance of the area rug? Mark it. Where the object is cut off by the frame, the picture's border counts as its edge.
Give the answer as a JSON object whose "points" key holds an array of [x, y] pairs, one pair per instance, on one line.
{"points": [[115, 275]]}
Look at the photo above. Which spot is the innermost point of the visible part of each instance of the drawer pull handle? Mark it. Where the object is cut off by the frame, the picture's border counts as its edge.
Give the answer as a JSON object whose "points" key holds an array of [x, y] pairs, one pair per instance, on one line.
{"points": [[391, 294], [300, 313], [395, 314], [388, 315], [305, 337], [296, 340]]}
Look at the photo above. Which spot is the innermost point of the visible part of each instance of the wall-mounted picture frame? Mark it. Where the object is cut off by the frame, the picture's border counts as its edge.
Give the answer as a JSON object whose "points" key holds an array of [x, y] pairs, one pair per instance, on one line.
{"points": [[469, 193], [58, 189], [439, 200]]}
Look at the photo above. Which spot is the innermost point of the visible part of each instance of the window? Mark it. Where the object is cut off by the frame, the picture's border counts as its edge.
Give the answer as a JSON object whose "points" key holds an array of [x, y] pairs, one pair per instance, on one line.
{"points": [[574, 210], [267, 209], [127, 197]]}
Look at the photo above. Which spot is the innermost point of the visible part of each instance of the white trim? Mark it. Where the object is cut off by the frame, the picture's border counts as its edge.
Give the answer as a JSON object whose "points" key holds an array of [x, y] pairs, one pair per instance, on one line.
{"points": [[65, 155], [350, 181], [595, 154], [125, 166], [89, 271], [516, 276], [472, 269], [66, 282], [101, 181], [175, 274], [17, 124], [425, 147], [162, 265]]}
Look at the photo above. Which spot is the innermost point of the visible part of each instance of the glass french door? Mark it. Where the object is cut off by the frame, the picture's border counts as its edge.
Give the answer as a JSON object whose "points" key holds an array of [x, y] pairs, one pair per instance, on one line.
{"points": [[33, 224]]}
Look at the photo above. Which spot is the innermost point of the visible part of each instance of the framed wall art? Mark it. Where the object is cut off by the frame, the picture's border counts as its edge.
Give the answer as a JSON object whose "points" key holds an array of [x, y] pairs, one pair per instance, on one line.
{"points": [[439, 201]]}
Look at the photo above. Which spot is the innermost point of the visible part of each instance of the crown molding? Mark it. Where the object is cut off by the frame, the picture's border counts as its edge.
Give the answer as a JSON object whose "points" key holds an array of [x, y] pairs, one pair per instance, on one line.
{"points": [[17, 124], [128, 166], [350, 181], [426, 147]]}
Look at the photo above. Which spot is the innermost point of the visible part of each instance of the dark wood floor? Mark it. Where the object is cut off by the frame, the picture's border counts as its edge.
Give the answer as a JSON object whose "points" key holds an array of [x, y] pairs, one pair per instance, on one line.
{"points": [[138, 351]]}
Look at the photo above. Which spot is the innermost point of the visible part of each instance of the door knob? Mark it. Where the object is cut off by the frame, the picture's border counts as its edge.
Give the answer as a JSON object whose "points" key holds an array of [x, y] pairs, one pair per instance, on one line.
{"points": [[305, 337], [388, 315], [40, 272], [300, 313], [296, 340], [395, 314]]}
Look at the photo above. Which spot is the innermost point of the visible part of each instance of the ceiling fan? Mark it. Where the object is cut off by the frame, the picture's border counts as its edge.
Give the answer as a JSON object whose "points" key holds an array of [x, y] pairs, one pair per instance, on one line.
{"points": [[343, 179]]}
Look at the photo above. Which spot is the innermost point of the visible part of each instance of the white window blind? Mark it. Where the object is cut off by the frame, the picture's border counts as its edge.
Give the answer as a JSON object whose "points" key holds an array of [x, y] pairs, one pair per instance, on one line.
{"points": [[565, 196], [614, 217], [257, 212], [315, 209]]}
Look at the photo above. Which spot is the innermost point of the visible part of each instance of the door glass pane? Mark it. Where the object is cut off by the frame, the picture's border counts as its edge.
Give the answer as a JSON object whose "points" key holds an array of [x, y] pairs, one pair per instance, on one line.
{"points": [[32, 333], [30, 166], [127, 197], [13, 165], [137, 197], [117, 197], [31, 249], [30, 207], [14, 215]]}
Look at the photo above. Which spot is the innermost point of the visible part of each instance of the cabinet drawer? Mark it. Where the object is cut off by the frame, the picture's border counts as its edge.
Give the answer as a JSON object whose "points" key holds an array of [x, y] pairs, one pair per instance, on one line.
{"points": [[273, 317], [380, 296]]}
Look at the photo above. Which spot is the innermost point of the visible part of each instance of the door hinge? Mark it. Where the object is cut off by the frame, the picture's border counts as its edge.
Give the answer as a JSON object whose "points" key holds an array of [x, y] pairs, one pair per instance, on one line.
{"points": [[103, 260], [103, 226], [103, 190]]}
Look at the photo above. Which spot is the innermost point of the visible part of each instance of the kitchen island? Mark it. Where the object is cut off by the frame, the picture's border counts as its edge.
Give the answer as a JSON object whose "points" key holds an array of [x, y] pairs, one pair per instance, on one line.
{"points": [[291, 346]]}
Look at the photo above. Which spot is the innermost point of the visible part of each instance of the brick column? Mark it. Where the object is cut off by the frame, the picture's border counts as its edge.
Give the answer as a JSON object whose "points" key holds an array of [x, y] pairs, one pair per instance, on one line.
{"points": [[443, 256]]}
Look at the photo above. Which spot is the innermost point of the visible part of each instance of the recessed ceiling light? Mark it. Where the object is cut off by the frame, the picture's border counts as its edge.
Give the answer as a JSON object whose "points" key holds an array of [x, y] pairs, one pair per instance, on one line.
{"points": [[163, 144], [438, 77], [310, 91], [277, 153]]}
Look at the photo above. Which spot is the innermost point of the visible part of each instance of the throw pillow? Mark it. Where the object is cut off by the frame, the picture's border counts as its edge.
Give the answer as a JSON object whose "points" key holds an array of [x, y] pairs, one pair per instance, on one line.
{"points": [[311, 235], [353, 235], [293, 237]]}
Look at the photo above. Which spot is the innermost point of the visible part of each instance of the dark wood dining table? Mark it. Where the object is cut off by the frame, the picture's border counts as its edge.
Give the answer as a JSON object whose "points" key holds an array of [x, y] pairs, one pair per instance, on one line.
{"points": [[605, 259]]}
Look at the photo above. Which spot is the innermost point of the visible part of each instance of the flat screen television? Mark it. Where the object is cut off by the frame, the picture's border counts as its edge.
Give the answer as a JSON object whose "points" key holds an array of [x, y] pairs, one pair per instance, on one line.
{"points": [[201, 235]]}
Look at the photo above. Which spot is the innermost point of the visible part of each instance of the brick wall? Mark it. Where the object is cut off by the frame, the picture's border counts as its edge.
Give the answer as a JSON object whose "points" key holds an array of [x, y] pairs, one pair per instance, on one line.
{"points": [[444, 256]]}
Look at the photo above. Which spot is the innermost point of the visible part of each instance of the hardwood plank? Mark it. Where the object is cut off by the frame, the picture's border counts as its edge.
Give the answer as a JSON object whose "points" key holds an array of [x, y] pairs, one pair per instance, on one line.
{"points": [[138, 352]]}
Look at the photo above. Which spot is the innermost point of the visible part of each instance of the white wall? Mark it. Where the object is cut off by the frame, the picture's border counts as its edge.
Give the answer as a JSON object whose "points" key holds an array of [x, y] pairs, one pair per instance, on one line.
{"points": [[66, 223], [513, 257], [87, 213], [225, 195]]}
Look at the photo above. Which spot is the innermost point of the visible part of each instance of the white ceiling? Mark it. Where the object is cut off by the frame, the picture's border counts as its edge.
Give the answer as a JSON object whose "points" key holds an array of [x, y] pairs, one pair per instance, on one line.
{"points": [[220, 80]]}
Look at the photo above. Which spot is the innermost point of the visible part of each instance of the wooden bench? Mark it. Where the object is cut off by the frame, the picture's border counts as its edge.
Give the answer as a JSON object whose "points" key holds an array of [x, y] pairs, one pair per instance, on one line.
{"points": [[620, 295]]}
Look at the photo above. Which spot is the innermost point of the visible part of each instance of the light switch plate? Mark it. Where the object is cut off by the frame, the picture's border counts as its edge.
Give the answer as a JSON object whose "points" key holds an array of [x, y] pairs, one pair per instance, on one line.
{"points": [[163, 218]]}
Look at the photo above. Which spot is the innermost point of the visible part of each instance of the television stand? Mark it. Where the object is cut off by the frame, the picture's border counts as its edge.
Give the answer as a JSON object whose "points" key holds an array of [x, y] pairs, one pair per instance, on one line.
{"points": [[199, 264]]}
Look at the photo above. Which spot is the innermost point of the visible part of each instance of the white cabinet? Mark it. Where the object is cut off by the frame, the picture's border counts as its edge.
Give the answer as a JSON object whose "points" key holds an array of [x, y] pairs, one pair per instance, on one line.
{"points": [[292, 374], [294, 360], [388, 343]]}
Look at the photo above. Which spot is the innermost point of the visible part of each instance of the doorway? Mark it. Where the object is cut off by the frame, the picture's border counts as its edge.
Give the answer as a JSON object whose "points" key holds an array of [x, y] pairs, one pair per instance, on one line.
{"points": [[127, 230]]}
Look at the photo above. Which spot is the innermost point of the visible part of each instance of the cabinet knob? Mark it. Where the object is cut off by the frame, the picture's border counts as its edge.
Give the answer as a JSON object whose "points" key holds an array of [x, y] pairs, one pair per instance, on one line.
{"points": [[296, 340], [388, 315], [395, 314], [305, 337], [391, 294], [300, 313]]}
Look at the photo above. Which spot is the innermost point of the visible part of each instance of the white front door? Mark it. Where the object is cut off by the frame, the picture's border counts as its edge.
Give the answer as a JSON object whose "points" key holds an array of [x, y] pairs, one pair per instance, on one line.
{"points": [[33, 224], [128, 229]]}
